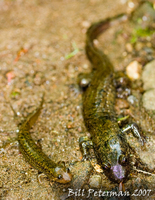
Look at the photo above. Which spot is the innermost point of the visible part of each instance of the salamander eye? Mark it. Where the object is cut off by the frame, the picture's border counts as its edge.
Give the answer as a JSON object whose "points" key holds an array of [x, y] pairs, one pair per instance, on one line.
{"points": [[61, 163], [123, 160], [67, 170], [59, 176], [106, 166]]}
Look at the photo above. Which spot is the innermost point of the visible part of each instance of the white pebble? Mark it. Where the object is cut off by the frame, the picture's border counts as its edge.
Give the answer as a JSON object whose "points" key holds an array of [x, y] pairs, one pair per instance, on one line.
{"points": [[133, 70]]}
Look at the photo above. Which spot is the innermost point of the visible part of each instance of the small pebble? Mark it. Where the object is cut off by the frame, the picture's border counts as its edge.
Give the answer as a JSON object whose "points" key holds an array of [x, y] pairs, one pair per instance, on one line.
{"points": [[129, 47], [95, 181], [69, 125], [85, 24], [84, 82], [122, 103], [149, 99], [139, 46], [132, 99], [133, 70], [148, 75]]}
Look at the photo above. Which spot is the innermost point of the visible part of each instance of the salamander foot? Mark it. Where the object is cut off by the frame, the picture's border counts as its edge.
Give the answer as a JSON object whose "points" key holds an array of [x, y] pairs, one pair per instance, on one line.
{"points": [[85, 145], [135, 131]]}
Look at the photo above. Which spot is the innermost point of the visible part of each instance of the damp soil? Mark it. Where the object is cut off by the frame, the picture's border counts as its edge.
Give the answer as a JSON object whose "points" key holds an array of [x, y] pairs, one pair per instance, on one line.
{"points": [[42, 50]]}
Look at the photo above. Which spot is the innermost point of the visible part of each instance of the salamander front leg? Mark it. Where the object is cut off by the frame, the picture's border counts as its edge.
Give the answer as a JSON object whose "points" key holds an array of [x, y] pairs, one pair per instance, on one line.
{"points": [[135, 131], [85, 145], [84, 80], [139, 165]]}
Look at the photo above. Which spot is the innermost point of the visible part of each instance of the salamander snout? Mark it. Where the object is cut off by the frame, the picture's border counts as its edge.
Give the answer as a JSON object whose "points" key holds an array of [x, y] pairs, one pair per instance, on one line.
{"points": [[118, 170], [119, 173], [63, 175]]}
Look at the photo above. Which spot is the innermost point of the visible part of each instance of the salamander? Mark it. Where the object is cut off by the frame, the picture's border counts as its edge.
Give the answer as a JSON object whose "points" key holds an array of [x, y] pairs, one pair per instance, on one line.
{"points": [[109, 141], [35, 156]]}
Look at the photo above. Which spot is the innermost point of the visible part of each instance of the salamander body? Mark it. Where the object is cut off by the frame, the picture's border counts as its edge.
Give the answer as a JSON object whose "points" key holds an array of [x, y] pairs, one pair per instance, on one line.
{"points": [[34, 154], [109, 141]]}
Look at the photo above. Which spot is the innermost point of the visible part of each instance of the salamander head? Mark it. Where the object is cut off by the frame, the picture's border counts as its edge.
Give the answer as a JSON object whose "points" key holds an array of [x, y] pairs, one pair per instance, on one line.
{"points": [[62, 174], [118, 171]]}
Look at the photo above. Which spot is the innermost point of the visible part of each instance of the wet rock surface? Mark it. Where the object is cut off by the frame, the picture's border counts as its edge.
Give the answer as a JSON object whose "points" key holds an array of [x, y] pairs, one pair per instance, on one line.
{"points": [[148, 75], [148, 78]]}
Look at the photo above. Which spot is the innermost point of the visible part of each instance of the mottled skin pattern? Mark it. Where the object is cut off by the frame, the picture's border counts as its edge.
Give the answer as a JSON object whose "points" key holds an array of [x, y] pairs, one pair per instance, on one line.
{"points": [[109, 142], [35, 156]]}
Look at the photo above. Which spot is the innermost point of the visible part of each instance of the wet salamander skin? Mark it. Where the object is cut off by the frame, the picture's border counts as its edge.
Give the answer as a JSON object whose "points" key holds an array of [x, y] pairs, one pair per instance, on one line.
{"points": [[35, 156], [98, 110]]}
